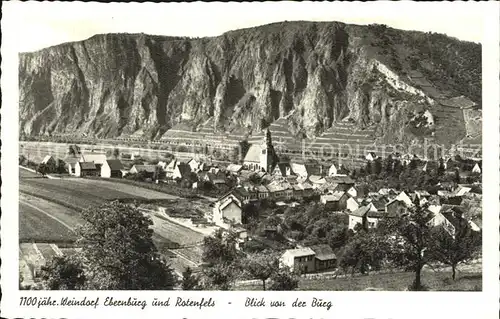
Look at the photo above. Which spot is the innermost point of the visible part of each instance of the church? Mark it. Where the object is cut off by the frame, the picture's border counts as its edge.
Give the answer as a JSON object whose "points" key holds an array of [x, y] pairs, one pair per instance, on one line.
{"points": [[261, 157]]}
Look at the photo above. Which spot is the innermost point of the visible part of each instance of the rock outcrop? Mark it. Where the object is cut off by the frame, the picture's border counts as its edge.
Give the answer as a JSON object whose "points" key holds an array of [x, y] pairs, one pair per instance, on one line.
{"points": [[314, 74]]}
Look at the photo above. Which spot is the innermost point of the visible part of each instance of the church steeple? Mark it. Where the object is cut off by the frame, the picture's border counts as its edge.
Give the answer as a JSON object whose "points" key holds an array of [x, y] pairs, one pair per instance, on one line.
{"points": [[267, 152], [269, 141]]}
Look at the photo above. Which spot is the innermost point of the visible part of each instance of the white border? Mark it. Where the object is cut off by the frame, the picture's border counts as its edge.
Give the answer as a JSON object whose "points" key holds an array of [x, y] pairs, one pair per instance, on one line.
{"points": [[345, 304]]}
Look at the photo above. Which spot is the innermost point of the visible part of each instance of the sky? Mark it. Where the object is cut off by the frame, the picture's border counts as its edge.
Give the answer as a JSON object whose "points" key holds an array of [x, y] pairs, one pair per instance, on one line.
{"points": [[41, 24]]}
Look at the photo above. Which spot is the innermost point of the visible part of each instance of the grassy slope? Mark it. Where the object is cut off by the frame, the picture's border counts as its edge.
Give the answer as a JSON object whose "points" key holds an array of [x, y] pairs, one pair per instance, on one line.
{"points": [[439, 281], [35, 226]]}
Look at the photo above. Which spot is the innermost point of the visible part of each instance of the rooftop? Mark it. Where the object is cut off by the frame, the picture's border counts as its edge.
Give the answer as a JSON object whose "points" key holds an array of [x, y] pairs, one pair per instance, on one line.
{"points": [[253, 154], [87, 165], [115, 165], [360, 212], [323, 252], [300, 252]]}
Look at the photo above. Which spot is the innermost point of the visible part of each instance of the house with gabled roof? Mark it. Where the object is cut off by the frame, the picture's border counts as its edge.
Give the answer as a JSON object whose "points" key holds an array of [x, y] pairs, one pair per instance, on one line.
{"points": [[358, 216], [301, 169], [326, 188], [332, 170], [379, 203], [282, 170], [182, 170], [234, 168], [396, 208], [162, 164], [262, 191], [324, 257], [476, 224], [83, 169], [299, 259], [147, 170], [368, 216], [316, 180], [403, 197], [194, 165], [227, 210], [170, 168], [450, 218], [477, 168], [371, 156], [387, 191], [336, 201], [461, 190], [49, 160], [112, 168], [70, 165], [347, 188], [280, 190], [97, 158], [340, 179], [351, 204]]}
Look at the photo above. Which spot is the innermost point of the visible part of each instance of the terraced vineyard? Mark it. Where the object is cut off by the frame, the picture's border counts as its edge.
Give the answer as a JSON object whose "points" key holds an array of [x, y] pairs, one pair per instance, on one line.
{"points": [[205, 135], [449, 124], [343, 141]]}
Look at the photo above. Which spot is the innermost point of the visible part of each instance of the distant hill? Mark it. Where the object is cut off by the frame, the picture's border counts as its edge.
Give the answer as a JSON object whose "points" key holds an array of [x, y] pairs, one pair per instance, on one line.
{"points": [[311, 75]]}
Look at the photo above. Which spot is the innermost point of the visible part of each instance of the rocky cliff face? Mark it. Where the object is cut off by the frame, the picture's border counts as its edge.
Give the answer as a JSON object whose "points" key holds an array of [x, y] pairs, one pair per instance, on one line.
{"points": [[312, 73]]}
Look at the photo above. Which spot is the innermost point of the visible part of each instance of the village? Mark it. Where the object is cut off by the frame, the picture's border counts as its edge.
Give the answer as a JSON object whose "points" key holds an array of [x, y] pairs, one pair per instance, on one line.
{"points": [[254, 198]]}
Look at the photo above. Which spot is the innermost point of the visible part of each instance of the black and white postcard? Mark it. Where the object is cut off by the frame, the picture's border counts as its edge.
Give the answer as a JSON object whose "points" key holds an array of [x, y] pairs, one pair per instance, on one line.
{"points": [[260, 160]]}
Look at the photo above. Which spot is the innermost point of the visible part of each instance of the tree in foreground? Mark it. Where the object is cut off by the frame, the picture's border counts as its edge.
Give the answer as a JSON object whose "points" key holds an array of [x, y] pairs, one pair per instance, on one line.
{"points": [[459, 248], [284, 280], [119, 252], [261, 266], [63, 273], [219, 276], [219, 248], [363, 252], [409, 237], [220, 258], [189, 280]]}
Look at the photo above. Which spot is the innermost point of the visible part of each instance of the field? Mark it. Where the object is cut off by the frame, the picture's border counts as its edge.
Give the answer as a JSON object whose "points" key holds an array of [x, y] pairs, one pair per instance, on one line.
{"points": [[78, 194], [436, 281], [49, 211], [35, 225]]}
